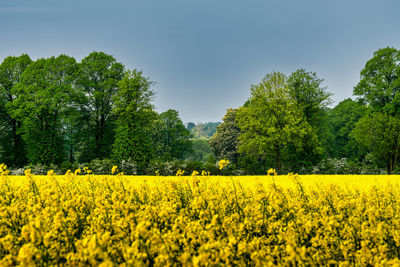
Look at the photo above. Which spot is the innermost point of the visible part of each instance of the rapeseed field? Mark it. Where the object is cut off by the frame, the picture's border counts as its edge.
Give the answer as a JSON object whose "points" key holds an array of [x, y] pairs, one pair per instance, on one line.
{"points": [[199, 220]]}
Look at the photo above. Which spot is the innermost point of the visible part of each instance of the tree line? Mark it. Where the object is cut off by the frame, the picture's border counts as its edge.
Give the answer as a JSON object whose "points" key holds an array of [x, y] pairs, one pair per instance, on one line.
{"points": [[56, 110], [287, 123]]}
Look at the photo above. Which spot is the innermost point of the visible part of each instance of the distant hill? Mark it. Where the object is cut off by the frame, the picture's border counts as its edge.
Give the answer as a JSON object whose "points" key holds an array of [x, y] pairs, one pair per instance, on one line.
{"points": [[203, 130]]}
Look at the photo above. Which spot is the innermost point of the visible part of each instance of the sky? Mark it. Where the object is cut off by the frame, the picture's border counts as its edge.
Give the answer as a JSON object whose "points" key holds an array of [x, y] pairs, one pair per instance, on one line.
{"points": [[204, 55]]}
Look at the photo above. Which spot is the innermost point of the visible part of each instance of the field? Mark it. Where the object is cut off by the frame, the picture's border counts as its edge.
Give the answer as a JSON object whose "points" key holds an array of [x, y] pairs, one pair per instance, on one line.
{"points": [[199, 220]]}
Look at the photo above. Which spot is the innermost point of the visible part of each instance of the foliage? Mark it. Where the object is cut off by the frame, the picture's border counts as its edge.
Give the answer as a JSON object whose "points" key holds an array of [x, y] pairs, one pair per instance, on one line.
{"points": [[201, 151], [342, 120], [271, 122], [204, 130], [379, 84], [98, 83], [171, 138], [13, 152], [380, 133], [345, 166], [379, 87], [135, 115], [225, 141], [44, 96], [305, 89]]}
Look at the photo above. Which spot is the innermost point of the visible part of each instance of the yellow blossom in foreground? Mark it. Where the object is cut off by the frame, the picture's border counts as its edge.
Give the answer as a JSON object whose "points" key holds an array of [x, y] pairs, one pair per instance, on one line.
{"points": [[110, 220], [180, 172], [272, 172], [27, 172], [114, 169]]}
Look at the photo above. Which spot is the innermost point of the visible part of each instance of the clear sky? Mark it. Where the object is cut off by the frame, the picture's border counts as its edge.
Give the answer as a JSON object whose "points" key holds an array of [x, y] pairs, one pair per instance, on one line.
{"points": [[205, 54]]}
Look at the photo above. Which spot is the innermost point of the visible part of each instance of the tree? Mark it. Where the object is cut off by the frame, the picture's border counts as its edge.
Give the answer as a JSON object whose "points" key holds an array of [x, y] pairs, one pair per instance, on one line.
{"points": [[305, 88], [271, 121], [379, 84], [190, 126], [380, 133], [379, 87], [135, 116], [44, 94], [99, 77], [313, 99], [342, 120], [11, 69], [172, 139], [205, 130], [225, 141]]}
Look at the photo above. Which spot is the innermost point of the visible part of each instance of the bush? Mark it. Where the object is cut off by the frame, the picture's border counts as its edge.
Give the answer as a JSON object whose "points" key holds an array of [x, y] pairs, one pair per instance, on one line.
{"points": [[99, 166], [128, 167], [344, 166]]}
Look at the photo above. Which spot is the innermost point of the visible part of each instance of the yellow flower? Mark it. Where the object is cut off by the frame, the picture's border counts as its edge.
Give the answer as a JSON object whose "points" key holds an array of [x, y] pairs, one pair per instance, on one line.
{"points": [[194, 173], [180, 172], [272, 172], [50, 173], [114, 169], [28, 172], [78, 171], [223, 163]]}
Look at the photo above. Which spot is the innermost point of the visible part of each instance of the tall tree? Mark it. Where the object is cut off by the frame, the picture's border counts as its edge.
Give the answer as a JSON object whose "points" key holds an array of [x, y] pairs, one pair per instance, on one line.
{"points": [[11, 69], [306, 90], [99, 77], [172, 139], [135, 116], [379, 87], [379, 84], [271, 121], [44, 94], [225, 141]]}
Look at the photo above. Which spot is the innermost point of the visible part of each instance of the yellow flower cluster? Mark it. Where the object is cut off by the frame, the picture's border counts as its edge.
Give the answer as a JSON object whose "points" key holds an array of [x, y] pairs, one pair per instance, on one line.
{"points": [[76, 220], [114, 169], [3, 169], [223, 163], [272, 172], [180, 172]]}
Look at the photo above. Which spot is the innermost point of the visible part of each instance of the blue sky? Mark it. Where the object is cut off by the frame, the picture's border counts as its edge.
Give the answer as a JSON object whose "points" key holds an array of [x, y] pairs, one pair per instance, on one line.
{"points": [[205, 54]]}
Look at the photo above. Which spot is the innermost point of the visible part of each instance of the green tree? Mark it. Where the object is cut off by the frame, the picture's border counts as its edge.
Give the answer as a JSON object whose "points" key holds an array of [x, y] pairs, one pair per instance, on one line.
{"points": [[271, 121], [379, 84], [135, 116], [44, 94], [172, 139], [225, 141], [379, 132], [305, 88], [11, 140], [205, 130], [99, 77], [201, 151], [313, 99], [342, 120], [379, 87]]}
